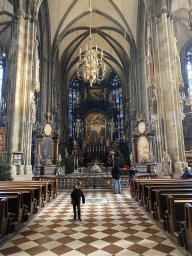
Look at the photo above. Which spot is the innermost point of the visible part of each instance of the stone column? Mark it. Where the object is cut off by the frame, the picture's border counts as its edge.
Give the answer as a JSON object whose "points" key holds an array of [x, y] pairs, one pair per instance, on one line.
{"points": [[38, 164], [190, 14], [134, 148], [168, 80], [19, 123], [55, 149]]}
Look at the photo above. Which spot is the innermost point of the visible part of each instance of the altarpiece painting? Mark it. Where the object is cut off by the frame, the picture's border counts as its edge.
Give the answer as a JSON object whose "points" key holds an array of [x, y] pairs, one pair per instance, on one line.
{"points": [[96, 130]]}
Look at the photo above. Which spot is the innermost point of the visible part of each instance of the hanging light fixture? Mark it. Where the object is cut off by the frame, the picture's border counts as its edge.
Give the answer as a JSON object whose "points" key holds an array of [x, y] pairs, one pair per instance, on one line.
{"points": [[93, 72]]}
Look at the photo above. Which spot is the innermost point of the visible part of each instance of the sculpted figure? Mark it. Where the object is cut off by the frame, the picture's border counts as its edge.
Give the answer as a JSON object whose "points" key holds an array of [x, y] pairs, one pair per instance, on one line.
{"points": [[167, 164]]}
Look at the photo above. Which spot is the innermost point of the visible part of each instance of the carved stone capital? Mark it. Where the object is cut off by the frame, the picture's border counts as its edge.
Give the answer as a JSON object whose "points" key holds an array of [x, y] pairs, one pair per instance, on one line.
{"points": [[164, 9], [26, 16], [34, 19], [171, 15], [20, 12]]}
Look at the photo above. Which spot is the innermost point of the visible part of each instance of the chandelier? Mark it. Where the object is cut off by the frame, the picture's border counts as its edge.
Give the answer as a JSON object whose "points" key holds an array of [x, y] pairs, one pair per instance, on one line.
{"points": [[91, 60]]}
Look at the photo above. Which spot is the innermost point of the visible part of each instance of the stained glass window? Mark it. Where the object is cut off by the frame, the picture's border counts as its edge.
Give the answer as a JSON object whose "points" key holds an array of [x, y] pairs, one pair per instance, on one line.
{"points": [[189, 70], [73, 92], [118, 104], [1, 75]]}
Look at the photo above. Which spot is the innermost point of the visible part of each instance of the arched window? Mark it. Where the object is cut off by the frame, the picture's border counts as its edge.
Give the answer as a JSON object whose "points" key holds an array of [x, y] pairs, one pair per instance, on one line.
{"points": [[1, 75], [118, 104], [73, 93], [189, 71]]}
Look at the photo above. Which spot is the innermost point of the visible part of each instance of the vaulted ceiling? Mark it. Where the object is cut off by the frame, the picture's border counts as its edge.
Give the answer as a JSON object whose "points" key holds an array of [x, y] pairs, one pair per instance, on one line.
{"points": [[114, 29]]}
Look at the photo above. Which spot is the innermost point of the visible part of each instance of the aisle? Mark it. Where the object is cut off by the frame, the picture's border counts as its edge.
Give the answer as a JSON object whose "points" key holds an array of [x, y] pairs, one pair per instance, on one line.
{"points": [[111, 225]]}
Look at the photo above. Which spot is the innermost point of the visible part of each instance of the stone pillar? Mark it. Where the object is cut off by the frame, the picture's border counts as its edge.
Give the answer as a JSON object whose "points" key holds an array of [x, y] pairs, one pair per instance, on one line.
{"points": [[55, 150], [190, 14], [19, 124], [168, 80], [38, 164], [142, 94], [134, 148]]}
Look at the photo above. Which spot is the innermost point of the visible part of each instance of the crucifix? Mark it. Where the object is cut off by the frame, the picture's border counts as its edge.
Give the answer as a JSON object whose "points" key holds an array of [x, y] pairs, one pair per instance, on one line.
{"points": [[48, 115]]}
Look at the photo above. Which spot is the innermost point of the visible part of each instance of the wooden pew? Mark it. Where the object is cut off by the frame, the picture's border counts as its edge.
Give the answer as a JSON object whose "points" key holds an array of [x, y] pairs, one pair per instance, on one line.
{"points": [[148, 188], [137, 185], [37, 193], [28, 184], [28, 201], [15, 210], [134, 183], [160, 204], [20, 199], [54, 184], [4, 217], [186, 227], [175, 215]]}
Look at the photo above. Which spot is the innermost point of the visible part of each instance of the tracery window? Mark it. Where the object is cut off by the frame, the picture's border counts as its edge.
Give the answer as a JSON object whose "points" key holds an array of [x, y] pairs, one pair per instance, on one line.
{"points": [[73, 93], [118, 104], [189, 70], [1, 75]]}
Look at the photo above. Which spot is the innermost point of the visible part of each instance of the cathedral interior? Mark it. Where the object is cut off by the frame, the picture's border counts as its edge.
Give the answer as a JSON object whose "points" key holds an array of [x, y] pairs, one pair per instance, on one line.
{"points": [[86, 84], [78, 76]]}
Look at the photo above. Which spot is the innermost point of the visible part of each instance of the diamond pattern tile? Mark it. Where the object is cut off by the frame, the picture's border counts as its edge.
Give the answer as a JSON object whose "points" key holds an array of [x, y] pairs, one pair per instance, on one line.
{"points": [[119, 227]]}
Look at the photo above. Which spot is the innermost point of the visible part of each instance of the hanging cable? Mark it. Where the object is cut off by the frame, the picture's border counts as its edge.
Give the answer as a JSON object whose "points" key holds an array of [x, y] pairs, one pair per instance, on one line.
{"points": [[90, 20]]}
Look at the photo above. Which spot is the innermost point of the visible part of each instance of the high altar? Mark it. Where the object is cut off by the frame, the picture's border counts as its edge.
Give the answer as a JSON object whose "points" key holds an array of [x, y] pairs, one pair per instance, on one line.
{"points": [[95, 121]]}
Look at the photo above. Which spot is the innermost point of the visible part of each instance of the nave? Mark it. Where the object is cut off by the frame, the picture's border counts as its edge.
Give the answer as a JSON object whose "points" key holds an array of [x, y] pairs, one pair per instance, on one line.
{"points": [[111, 225]]}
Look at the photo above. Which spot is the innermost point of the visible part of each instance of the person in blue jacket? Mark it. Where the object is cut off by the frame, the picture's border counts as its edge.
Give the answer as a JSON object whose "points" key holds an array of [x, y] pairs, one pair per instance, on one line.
{"points": [[187, 173], [116, 174]]}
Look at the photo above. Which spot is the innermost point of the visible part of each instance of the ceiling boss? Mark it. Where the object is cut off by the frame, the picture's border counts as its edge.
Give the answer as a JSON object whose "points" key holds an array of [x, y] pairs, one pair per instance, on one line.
{"points": [[91, 60]]}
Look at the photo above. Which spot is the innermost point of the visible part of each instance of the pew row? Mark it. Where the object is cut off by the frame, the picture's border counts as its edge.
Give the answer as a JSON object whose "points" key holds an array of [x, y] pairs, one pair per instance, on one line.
{"points": [[20, 200], [186, 227], [169, 202], [175, 216]]}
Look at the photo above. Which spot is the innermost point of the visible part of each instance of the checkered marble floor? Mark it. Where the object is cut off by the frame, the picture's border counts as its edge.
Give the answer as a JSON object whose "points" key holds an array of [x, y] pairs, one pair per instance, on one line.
{"points": [[118, 227]]}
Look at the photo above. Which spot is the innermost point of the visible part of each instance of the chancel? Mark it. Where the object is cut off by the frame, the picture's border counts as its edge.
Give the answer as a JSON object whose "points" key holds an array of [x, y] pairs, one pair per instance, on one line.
{"points": [[86, 85]]}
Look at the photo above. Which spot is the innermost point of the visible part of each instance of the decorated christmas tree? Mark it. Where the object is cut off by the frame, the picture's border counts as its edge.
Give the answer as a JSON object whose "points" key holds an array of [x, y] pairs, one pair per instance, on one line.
{"points": [[76, 152], [118, 156], [5, 173]]}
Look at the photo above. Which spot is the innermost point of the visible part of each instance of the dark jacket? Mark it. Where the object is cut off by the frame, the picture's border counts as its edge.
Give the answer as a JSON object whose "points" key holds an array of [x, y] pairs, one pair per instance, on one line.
{"points": [[132, 173], [116, 172], [76, 196]]}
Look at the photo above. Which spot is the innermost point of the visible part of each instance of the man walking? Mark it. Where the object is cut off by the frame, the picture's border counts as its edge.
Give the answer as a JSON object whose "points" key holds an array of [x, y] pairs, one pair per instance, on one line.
{"points": [[116, 174]]}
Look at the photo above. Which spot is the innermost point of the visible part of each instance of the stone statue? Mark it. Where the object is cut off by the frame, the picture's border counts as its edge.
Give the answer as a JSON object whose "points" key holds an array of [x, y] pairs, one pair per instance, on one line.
{"points": [[151, 158], [59, 159], [132, 158], [108, 144], [167, 164], [66, 152]]}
